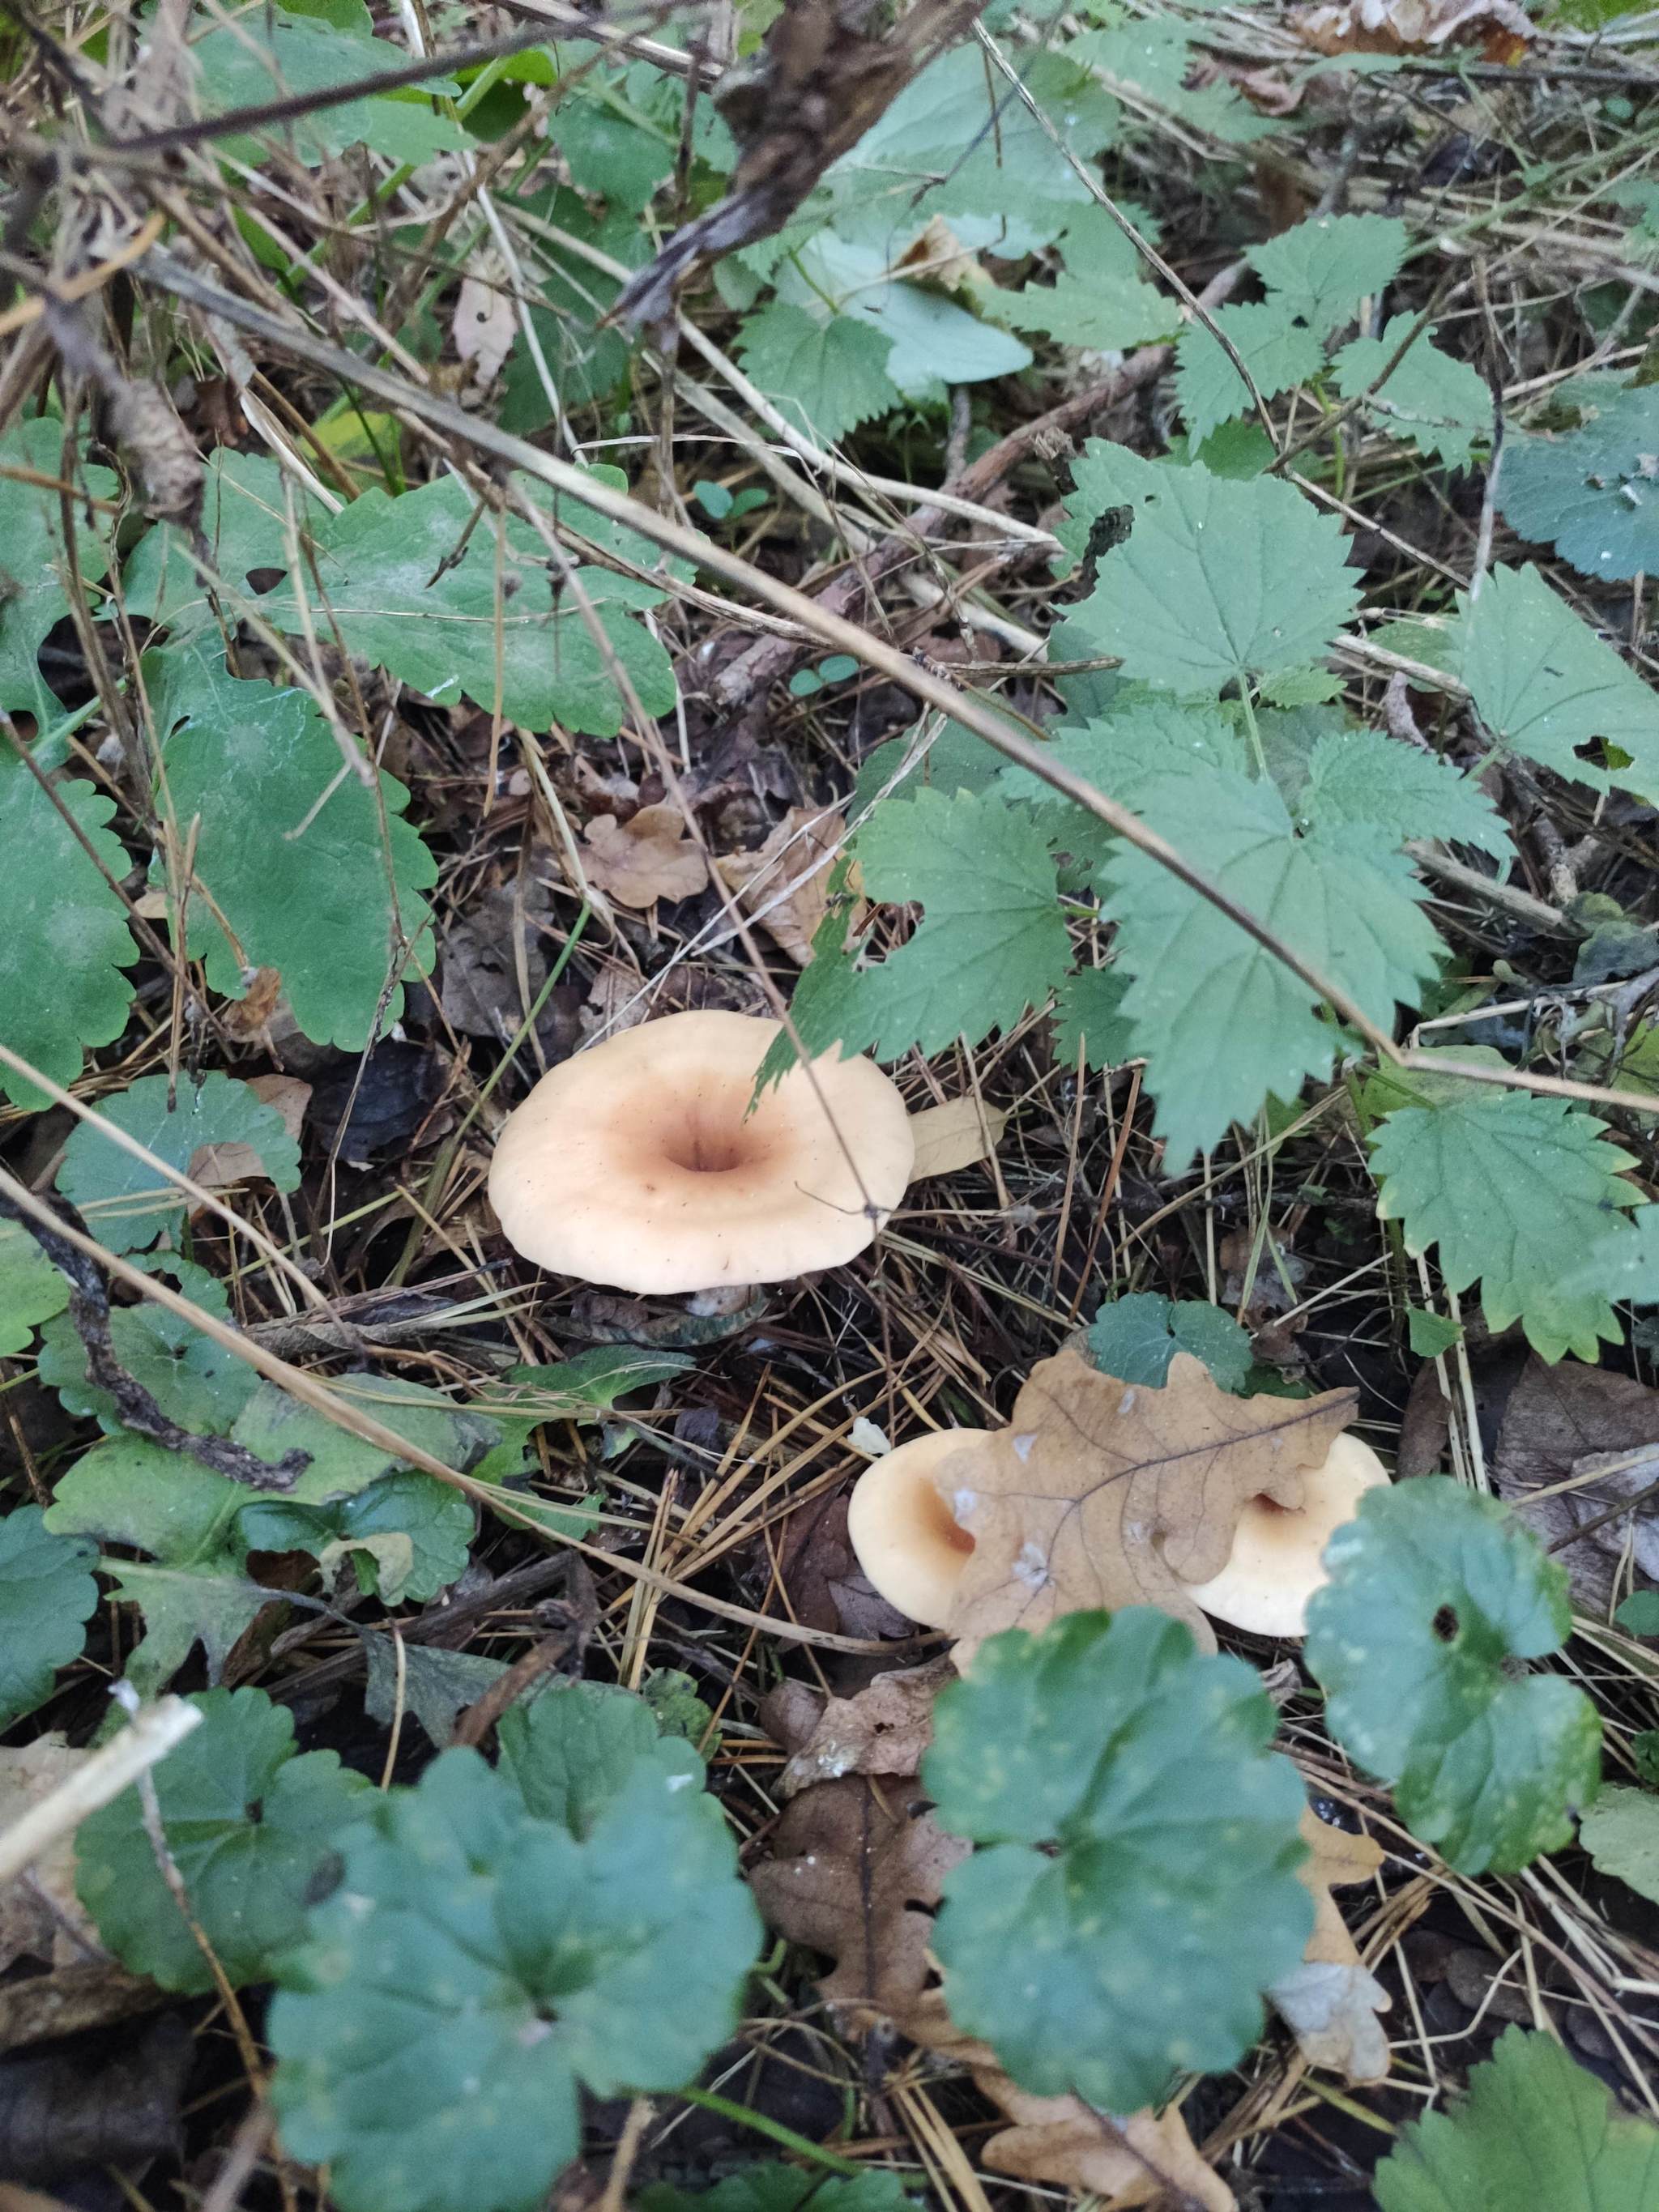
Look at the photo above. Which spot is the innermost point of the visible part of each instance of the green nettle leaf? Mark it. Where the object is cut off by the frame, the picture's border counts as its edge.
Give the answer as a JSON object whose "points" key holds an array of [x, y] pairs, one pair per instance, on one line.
{"points": [[1550, 688], [1625, 1263], [584, 363], [476, 1963], [932, 341], [397, 582], [1136, 1337], [409, 1533], [771, 2188], [1152, 57], [1218, 580], [1639, 1614], [1104, 312], [1439, 402], [286, 51], [826, 377], [1089, 1018], [1534, 2129], [32, 573], [126, 1205], [58, 918], [572, 1751], [46, 1596], [1136, 1885], [249, 1825], [1620, 1831], [299, 867], [194, 1381], [621, 156], [1130, 752], [1360, 775], [1429, 1335], [1221, 1021], [1434, 1591], [1592, 493], [1507, 1184], [1322, 269], [1278, 350], [991, 941], [31, 1289]]}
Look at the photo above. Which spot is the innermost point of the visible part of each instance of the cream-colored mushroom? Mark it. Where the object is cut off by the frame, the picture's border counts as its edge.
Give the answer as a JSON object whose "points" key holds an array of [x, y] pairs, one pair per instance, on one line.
{"points": [[1275, 1565], [902, 1529], [638, 1164]]}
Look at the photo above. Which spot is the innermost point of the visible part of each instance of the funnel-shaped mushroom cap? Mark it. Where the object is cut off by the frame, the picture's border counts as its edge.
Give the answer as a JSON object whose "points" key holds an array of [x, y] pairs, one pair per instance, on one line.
{"points": [[1274, 1567], [902, 1529], [639, 1166]]}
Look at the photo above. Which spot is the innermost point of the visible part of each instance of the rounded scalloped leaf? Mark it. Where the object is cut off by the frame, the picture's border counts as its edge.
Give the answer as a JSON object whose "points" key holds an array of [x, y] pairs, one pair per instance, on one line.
{"points": [[117, 1194], [249, 1824], [1435, 1592], [46, 1595], [476, 1963], [1139, 1886]]}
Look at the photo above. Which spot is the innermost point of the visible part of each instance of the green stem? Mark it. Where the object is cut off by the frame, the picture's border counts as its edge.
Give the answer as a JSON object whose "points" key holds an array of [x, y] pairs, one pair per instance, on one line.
{"points": [[762, 2124], [1246, 701]]}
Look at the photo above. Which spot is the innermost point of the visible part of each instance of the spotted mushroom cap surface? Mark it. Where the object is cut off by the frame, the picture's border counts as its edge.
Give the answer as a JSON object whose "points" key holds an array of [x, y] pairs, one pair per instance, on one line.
{"points": [[637, 1165]]}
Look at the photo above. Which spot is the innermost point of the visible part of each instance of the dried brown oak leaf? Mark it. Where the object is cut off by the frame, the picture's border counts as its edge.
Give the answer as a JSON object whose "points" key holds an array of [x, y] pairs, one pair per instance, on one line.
{"points": [[1502, 31], [1103, 1494], [646, 860], [856, 1867], [885, 1729], [781, 883], [1330, 2004]]}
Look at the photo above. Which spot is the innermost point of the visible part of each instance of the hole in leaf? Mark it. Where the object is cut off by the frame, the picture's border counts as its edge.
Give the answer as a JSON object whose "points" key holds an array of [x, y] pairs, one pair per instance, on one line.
{"points": [[1446, 1624]]}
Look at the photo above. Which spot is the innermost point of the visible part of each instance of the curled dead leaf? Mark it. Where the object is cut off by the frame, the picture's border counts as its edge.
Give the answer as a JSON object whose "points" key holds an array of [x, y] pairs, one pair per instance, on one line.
{"points": [[856, 1867], [1101, 1493], [1330, 2002], [219, 1167], [1502, 31], [646, 860], [40, 1915], [885, 1729], [781, 883]]}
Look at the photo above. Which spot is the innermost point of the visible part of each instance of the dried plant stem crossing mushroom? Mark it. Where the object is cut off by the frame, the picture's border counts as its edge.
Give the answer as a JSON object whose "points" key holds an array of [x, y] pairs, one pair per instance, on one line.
{"points": [[638, 1164], [901, 1527]]}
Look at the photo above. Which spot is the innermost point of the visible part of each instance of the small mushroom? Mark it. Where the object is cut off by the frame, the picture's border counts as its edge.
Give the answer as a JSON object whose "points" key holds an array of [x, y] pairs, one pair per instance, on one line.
{"points": [[1275, 1564], [639, 1165], [901, 1530]]}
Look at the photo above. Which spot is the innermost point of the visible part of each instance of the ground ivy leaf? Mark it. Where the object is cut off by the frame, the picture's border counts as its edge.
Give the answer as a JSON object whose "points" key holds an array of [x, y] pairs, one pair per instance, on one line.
{"points": [[297, 865], [1360, 775], [32, 595], [1220, 1021], [435, 1520], [273, 1423], [1433, 1589], [1505, 1183], [31, 1289], [434, 1684], [1439, 402], [826, 377], [1590, 493], [1322, 269], [1278, 350], [46, 1595], [1535, 2129], [59, 918], [775, 2188], [1217, 579], [1136, 1885], [125, 1204], [245, 521], [572, 1750], [194, 1381], [1620, 1831], [1136, 1337], [475, 1964], [249, 1824], [1550, 688]]}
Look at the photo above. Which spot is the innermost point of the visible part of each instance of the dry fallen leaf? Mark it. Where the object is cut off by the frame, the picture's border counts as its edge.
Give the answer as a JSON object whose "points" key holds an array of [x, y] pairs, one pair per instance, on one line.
{"points": [[646, 860], [855, 1865], [781, 883], [1143, 2159], [955, 1135], [885, 1729], [484, 325], [1567, 1423], [1330, 2004], [1103, 1493], [40, 1915], [1501, 30]]}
